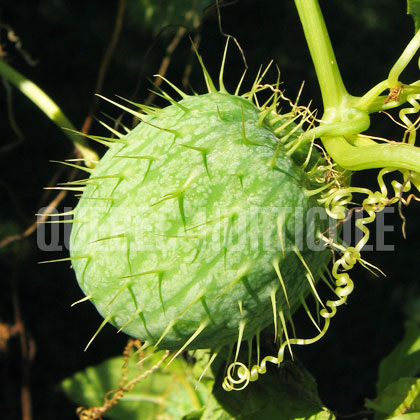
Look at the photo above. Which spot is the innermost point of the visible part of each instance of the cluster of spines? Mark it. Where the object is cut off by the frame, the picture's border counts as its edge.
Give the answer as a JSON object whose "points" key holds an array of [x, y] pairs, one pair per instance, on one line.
{"points": [[292, 140], [279, 314], [333, 195]]}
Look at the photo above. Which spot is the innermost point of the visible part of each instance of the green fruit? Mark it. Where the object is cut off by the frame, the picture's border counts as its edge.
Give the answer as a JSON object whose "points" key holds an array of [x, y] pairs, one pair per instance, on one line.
{"points": [[192, 229]]}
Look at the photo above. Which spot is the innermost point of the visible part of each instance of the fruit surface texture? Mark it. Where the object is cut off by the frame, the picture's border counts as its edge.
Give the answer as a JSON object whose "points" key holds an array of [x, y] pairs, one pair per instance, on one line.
{"points": [[193, 229]]}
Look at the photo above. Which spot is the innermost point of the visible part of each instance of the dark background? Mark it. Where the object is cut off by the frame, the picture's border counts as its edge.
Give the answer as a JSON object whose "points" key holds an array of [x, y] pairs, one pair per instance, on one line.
{"points": [[67, 41]]}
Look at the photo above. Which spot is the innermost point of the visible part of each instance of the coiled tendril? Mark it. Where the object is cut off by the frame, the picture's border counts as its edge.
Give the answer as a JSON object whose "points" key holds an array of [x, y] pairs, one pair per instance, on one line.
{"points": [[337, 199], [336, 202]]}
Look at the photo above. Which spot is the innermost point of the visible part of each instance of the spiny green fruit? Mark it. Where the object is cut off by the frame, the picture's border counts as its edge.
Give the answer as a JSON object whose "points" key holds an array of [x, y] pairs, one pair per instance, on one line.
{"points": [[192, 229]]}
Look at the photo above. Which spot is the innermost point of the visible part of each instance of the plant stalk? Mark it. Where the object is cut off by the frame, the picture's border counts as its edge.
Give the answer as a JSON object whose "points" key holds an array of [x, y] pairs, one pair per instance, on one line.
{"points": [[342, 117], [50, 109], [332, 87]]}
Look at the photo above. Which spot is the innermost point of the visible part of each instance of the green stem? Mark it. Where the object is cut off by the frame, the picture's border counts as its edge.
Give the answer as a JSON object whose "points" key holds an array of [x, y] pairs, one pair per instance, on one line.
{"points": [[392, 155], [373, 101], [366, 101], [407, 55], [355, 123], [346, 116], [329, 78], [49, 107]]}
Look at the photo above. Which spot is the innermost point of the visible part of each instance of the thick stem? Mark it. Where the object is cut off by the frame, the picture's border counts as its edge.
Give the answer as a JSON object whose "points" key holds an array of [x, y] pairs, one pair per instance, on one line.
{"points": [[392, 155], [332, 87], [345, 115]]}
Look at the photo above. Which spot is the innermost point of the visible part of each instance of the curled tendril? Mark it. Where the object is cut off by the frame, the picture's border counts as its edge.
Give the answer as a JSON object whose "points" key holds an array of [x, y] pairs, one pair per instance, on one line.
{"points": [[238, 375], [411, 126], [336, 202]]}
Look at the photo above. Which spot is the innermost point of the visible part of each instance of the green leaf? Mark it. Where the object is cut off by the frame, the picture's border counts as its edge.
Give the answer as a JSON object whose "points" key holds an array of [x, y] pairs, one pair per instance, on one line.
{"points": [[170, 392], [286, 393], [403, 361], [212, 411], [408, 416], [392, 397], [413, 9]]}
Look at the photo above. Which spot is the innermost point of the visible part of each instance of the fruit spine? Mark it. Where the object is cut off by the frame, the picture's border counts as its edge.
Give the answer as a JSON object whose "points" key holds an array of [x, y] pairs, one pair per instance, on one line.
{"points": [[197, 229]]}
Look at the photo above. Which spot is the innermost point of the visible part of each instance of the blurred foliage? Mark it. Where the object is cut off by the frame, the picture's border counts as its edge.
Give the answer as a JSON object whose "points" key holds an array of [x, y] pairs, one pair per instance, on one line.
{"points": [[392, 397], [287, 393], [169, 393], [398, 377], [403, 361], [177, 391], [413, 8], [59, 45]]}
